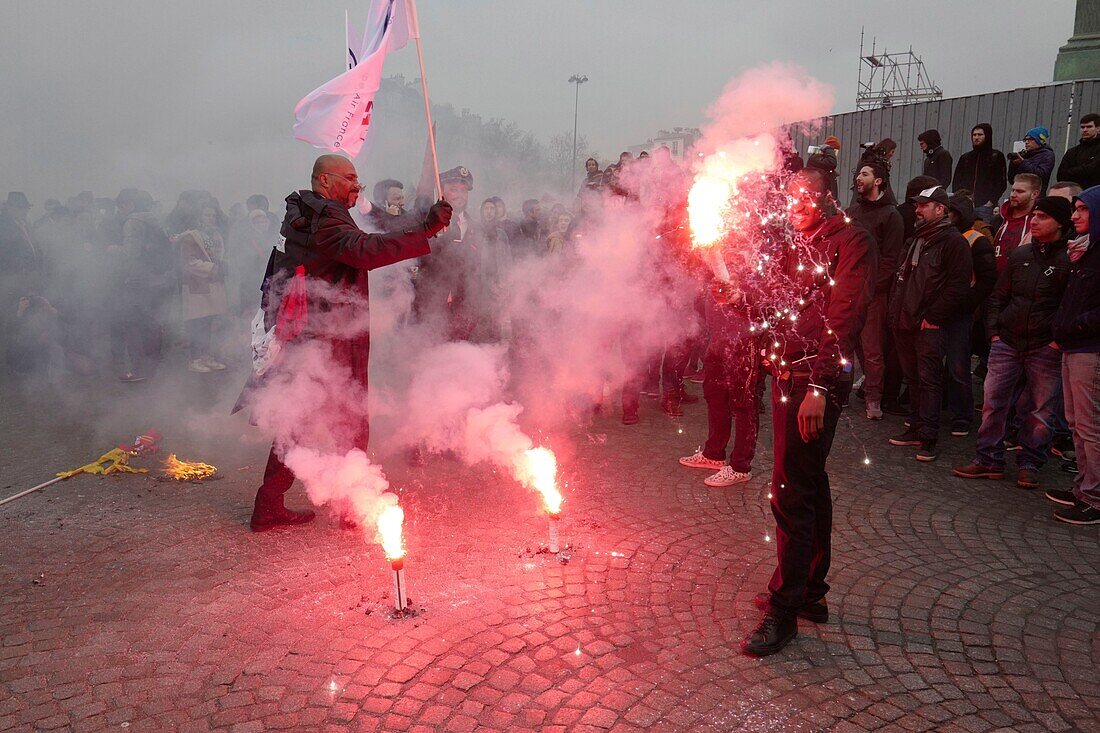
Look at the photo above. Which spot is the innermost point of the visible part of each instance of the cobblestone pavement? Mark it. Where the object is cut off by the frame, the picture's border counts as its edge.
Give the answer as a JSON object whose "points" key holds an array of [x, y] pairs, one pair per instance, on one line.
{"points": [[135, 604]]}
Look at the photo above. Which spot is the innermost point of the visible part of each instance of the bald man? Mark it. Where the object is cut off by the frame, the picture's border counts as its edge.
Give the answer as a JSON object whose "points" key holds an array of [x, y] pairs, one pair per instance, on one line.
{"points": [[322, 238]]}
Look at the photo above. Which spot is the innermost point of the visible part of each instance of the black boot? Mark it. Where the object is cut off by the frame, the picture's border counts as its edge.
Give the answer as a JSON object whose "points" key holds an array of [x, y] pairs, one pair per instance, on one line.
{"points": [[773, 633], [817, 612], [270, 514]]}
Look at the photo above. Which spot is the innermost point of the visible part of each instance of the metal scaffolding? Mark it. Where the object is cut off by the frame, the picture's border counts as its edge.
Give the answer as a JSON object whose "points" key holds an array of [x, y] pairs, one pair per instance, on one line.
{"points": [[886, 79]]}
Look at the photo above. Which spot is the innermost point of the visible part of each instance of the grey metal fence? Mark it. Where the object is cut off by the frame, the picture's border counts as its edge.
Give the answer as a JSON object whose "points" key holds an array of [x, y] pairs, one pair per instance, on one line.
{"points": [[1056, 107]]}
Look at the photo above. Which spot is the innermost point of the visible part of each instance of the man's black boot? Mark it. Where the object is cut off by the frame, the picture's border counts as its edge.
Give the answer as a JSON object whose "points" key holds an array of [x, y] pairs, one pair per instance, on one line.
{"points": [[817, 612], [773, 633], [270, 514]]}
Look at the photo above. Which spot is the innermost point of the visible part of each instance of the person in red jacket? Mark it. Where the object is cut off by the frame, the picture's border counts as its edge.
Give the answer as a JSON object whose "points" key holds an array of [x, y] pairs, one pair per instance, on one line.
{"points": [[322, 239]]}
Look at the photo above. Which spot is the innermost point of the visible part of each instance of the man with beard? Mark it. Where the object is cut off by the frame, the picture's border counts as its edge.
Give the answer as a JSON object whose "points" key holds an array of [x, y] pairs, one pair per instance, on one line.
{"points": [[806, 399], [874, 212], [1013, 223], [981, 172], [322, 238], [930, 293], [1081, 163]]}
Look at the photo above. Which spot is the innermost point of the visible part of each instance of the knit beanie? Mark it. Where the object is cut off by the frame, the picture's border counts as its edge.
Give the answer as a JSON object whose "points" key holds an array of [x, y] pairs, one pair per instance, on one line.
{"points": [[833, 142], [1038, 134], [1058, 208]]}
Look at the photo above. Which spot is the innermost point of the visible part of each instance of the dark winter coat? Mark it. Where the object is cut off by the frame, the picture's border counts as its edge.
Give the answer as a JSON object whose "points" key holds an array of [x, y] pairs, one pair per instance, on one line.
{"points": [[982, 171], [1039, 162], [1081, 164], [981, 253], [1028, 292], [937, 163], [885, 224], [1076, 325], [321, 236], [829, 325], [937, 287]]}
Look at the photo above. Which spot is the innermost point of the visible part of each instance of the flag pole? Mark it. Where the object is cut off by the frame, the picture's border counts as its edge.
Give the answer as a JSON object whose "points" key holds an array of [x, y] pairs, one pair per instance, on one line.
{"points": [[414, 33], [347, 41]]}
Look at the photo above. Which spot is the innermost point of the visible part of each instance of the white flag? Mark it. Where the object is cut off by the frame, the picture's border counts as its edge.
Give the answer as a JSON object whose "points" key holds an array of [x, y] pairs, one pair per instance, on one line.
{"points": [[336, 115]]}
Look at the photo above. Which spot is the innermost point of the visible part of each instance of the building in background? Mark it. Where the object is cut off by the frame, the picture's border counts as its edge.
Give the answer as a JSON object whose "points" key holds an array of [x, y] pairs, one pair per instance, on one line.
{"points": [[679, 140]]}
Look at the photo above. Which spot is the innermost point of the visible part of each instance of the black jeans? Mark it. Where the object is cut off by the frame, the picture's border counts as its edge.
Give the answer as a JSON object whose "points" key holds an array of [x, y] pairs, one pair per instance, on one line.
{"points": [[730, 411], [801, 501], [921, 354]]}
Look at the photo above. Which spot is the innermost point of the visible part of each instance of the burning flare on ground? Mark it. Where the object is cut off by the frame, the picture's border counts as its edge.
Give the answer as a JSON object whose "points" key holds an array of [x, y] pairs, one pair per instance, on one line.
{"points": [[179, 470], [390, 523], [539, 469]]}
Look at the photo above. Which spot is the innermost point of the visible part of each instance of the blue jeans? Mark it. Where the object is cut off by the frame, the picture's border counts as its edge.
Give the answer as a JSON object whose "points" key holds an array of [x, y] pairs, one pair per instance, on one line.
{"points": [[960, 390], [1037, 404], [1081, 375]]}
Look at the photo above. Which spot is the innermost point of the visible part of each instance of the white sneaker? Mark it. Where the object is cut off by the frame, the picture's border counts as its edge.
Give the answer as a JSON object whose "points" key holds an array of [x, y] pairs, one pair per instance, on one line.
{"points": [[197, 365], [727, 477], [874, 411], [698, 460], [213, 364]]}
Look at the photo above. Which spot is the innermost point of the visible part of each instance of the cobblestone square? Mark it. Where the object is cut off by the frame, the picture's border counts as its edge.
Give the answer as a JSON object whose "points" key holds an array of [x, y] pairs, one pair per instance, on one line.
{"points": [[142, 605]]}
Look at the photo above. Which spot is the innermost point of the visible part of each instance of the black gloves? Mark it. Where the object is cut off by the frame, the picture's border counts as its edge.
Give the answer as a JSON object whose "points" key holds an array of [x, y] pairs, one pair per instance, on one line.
{"points": [[439, 216]]}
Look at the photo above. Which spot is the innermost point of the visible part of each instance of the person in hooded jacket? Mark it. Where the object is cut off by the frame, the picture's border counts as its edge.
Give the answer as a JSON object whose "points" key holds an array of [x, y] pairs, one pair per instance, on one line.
{"points": [[874, 212], [1037, 157], [322, 238], [1076, 330], [929, 295], [1081, 163], [982, 172], [1019, 324], [960, 389], [937, 161]]}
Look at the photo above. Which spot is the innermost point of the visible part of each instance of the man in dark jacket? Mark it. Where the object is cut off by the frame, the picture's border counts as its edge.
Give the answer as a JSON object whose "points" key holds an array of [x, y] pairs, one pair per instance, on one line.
{"points": [[981, 172], [874, 212], [812, 378], [1037, 157], [322, 238], [1081, 163], [1021, 310], [1076, 329], [937, 161], [960, 389], [929, 294]]}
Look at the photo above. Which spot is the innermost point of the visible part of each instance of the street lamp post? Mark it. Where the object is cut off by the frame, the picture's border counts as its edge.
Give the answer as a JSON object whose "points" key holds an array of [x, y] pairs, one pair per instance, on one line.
{"points": [[577, 79]]}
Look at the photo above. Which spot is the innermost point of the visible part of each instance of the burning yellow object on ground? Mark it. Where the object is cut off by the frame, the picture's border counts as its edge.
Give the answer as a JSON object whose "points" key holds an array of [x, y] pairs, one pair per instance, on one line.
{"points": [[179, 470]]}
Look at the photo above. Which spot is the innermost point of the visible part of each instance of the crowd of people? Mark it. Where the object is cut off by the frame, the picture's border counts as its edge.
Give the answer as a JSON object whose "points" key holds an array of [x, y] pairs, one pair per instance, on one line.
{"points": [[973, 291]]}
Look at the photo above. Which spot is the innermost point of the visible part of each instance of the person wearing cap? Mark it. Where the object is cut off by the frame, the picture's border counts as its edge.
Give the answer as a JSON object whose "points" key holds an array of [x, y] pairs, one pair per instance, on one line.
{"points": [[960, 388], [329, 257], [1081, 163], [875, 213], [937, 161], [982, 171], [448, 282], [1037, 158], [929, 294], [1076, 330], [1019, 324]]}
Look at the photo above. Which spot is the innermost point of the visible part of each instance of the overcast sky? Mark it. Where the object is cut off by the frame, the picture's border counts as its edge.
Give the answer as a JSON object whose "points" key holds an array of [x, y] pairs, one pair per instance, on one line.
{"points": [[191, 93]]}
